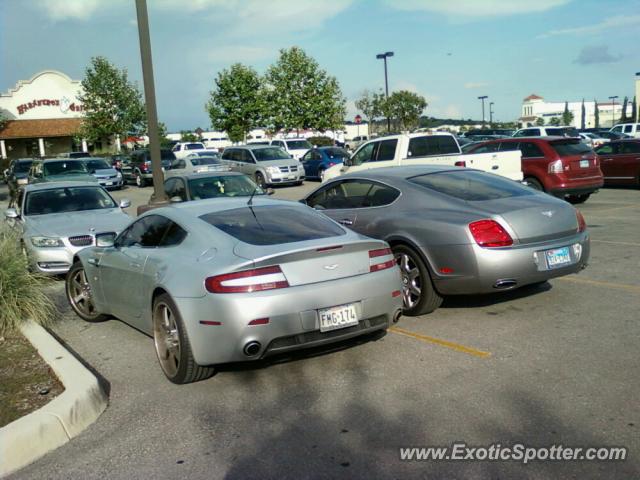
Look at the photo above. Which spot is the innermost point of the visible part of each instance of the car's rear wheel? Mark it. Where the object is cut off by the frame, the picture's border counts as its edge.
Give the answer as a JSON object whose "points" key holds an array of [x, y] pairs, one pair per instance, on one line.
{"points": [[80, 296], [418, 294], [172, 344], [576, 199], [534, 183], [140, 182], [260, 180]]}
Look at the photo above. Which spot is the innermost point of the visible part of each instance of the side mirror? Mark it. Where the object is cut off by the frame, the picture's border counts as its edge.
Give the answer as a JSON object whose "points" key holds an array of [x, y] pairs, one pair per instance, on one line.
{"points": [[175, 199], [347, 162], [11, 213], [270, 191], [125, 203], [105, 239]]}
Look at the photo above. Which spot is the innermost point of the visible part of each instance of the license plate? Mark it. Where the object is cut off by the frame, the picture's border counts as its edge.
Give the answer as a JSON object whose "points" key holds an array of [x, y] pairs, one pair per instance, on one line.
{"points": [[108, 183], [584, 163], [338, 317], [291, 177], [558, 257]]}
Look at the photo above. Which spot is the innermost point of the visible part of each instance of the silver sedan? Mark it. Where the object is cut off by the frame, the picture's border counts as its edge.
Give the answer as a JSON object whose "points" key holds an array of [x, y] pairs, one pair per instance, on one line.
{"points": [[458, 231], [58, 219], [226, 280]]}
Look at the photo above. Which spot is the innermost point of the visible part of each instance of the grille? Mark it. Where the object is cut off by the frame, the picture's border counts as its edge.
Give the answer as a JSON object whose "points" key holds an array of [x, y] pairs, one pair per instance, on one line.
{"points": [[81, 240], [294, 169], [284, 169]]}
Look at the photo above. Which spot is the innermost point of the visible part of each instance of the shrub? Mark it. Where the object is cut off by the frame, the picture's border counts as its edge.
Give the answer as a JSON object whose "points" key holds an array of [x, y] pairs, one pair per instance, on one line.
{"points": [[321, 141], [21, 291]]}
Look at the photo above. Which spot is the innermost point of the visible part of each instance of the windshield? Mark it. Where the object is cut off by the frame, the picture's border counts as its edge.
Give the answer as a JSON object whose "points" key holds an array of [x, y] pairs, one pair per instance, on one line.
{"points": [[273, 224], [271, 153], [471, 185], [571, 148], [205, 160], [93, 165], [194, 146], [22, 167], [223, 186], [298, 145], [63, 167], [69, 199], [563, 132]]}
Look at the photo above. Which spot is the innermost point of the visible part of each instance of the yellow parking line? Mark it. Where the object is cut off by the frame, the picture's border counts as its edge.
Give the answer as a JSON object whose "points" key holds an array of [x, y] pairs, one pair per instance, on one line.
{"points": [[619, 286], [442, 343], [616, 243]]}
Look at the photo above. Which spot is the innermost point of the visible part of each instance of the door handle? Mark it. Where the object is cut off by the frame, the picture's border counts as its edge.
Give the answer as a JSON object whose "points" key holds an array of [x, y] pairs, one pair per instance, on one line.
{"points": [[346, 221], [495, 167], [94, 261]]}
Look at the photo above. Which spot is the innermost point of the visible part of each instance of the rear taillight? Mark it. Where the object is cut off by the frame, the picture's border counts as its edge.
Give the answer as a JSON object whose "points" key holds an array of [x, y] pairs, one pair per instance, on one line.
{"points": [[246, 281], [460, 163], [490, 234], [381, 259], [582, 225], [145, 166], [556, 167]]}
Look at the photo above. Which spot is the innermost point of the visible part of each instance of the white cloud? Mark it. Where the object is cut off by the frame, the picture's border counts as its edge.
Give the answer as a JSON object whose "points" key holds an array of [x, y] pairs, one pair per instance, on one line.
{"points": [[471, 85], [239, 53], [619, 21], [72, 9], [477, 8]]}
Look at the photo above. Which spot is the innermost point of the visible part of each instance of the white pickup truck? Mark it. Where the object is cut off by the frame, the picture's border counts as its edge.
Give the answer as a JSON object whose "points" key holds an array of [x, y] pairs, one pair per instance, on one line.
{"points": [[426, 149]]}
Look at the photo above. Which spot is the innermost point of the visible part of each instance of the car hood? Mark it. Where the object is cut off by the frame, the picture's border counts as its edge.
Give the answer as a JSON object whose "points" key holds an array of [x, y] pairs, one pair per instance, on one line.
{"points": [[105, 172], [77, 223], [287, 162], [76, 177]]}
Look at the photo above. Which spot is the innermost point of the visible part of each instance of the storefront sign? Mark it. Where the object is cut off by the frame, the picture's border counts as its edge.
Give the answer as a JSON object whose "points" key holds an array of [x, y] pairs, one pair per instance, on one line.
{"points": [[64, 104]]}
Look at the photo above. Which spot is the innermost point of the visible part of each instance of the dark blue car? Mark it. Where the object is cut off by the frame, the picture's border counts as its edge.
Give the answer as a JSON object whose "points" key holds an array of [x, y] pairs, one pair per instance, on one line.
{"points": [[317, 160]]}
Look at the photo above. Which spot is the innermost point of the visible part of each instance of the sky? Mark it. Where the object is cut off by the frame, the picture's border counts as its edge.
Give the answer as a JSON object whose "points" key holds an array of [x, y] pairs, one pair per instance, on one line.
{"points": [[449, 51]]}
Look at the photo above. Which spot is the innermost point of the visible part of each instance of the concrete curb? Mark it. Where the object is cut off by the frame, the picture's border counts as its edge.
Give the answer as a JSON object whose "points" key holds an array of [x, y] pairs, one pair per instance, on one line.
{"points": [[83, 400]]}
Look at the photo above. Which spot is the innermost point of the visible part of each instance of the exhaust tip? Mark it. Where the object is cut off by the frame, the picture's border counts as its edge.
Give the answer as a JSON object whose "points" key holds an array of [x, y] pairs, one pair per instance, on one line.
{"points": [[251, 349], [505, 283], [396, 316]]}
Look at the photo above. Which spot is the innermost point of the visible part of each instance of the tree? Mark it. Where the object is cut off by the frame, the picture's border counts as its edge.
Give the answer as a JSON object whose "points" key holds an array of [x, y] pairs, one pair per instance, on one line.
{"points": [[300, 95], [583, 116], [555, 121], [634, 110], [186, 136], [368, 106], [596, 115], [162, 135], [406, 107], [623, 115], [236, 102], [567, 116], [540, 121], [112, 104]]}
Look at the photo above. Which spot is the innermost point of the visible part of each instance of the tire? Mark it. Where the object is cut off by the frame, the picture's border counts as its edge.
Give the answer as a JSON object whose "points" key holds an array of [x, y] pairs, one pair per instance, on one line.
{"points": [[79, 295], [576, 199], [297, 184], [172, 344], [321, 174], [534, 183], [418, 294], [260, 180], [140, 182]]}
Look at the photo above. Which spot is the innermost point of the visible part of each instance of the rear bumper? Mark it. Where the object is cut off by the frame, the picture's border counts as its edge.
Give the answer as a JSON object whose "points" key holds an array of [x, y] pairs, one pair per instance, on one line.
{"points": [[482, 270], [292, 313], [581, 186]]}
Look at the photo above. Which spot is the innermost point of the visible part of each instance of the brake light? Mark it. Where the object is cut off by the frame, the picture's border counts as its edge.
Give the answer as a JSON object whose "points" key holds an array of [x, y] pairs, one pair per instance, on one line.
{"points": [[144, 166], [555, 167], [582, 225], [490, 234], [381, 259], [460, 163], [247, 281]]}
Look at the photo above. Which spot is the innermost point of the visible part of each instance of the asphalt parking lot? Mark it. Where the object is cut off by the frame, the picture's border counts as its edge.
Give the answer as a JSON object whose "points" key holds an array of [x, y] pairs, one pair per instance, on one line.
{"points": [[547, 365]]}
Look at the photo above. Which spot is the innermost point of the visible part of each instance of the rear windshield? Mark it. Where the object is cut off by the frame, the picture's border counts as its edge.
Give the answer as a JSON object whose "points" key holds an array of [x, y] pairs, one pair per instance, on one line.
{"points": [[570, 148], [193, 146], [273, 224], [563, 132], [96, 165], [271, 153], [64, 167], [298, 145], [432, 145], [223, 186], [471, 186], [205, 160], [22, 167]]}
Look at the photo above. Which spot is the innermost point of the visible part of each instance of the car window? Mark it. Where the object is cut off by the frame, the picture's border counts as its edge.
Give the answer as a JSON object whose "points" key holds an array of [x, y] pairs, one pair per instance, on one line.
{"points": [[308, 156], [298, 144], [617, 129], [270, 153], [223, 186], [193, 146], [180, 189], [68, 167], [170, 186], [151, 232], [380, 195], [364, 154], [487, 147], [607, 149], [629, 147], [530, 150], [386, 150], [340, 195], [245, 156], [93, 165], [628, 128], [509, 146], [273, 224], [432, 145], [67, 199], [571, 148], [227, 154]]}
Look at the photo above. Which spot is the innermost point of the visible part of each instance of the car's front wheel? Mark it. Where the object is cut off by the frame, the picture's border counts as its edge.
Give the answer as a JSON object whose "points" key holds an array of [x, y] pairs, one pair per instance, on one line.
{"points": [[172, 344], [534, 183], [140, 182], [260, 180], [418, 294], [80, 295]]}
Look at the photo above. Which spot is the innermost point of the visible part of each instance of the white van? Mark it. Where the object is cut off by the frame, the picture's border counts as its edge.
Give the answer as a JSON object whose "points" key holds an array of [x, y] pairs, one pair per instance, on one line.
{"points": [[632, 129]]}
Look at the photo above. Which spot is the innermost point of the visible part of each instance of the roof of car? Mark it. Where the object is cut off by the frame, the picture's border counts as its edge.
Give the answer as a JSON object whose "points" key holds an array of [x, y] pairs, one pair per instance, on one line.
{"points": [[57, 159], [399, 172], [51, 185], [257, 146], [197, 208], [546, 138], [196, 176], [625, 140]]}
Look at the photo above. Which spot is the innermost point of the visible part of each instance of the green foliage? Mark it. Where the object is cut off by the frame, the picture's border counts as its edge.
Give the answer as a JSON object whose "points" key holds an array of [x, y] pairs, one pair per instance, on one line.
{"points": [[623, 115], [162, 135], [597, 115], [368, 105], [555, 121], [583, 116], [321, 141], [3, 120], [567, 116], [540, 121], [21, 293], [186, 136], [113, 105], [404, 107], [236, 102], [300, 95]]}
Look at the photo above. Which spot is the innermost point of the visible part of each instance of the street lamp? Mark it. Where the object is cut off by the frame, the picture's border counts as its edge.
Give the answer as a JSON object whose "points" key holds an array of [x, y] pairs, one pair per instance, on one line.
{"points": [[483, 97], [637, 119], [490, 114], [613, 121], [384, 56]]}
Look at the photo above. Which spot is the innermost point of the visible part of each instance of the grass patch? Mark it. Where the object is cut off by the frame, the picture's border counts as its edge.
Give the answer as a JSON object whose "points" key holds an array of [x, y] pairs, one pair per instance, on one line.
{"points": [[21, 291]]}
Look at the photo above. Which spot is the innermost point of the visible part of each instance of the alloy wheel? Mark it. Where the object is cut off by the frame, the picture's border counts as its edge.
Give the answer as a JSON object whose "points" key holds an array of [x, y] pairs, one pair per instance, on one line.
{"points": [[80, 293], [411, 280], [166, 338]]}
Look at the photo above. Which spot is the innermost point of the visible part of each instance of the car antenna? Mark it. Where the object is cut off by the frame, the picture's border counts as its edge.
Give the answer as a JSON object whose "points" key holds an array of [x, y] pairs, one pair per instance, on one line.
{"points": [[250, 202]]}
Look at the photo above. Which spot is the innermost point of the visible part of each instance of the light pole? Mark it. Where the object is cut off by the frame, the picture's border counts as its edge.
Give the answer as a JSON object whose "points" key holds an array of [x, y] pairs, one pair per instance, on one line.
{"points": [[637, 119], [150, 99], [384, 56], [490, 114], [483, 97], [613, 115]]}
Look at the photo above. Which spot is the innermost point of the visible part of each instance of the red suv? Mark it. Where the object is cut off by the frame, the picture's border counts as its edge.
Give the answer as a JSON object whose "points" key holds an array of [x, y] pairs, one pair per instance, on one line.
{"points": [[620, 160], [563, 167]]}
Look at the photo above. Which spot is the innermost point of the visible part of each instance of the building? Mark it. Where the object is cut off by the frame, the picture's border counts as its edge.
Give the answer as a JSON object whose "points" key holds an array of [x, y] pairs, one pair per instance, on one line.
{"points": [[535, 107], [43, 116]]}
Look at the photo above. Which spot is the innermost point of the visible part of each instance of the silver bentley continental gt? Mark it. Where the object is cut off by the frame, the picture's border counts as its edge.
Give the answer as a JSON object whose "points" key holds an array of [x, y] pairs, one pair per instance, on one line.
{"points": [[228, 280]]}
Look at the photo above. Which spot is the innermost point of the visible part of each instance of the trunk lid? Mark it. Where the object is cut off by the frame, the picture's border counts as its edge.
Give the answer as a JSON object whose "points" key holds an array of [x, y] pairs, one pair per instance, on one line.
{"points": [[578, 159]]}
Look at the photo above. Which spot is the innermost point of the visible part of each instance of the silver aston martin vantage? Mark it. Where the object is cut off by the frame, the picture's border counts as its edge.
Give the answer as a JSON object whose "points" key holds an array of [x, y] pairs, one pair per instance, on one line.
{"points": [[226, 280]]}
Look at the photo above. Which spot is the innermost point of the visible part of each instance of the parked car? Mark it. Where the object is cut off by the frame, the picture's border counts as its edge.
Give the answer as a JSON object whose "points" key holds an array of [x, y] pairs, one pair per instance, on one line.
{"points": [[216, 143], [317, 160], [620, 162], [107, 176], [563, 167], [504, 132], [614, 135], [58, 169], [56, 220], [182, 149], [138, 166], [458, 231], [592, 139], [356, 141], [222, 281], [197, 163], [425, 149], [266, 164], [631, 129], [201, 186], [117, 160], [73, 155], [17, 176], [560, 131], [296, 147]]}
